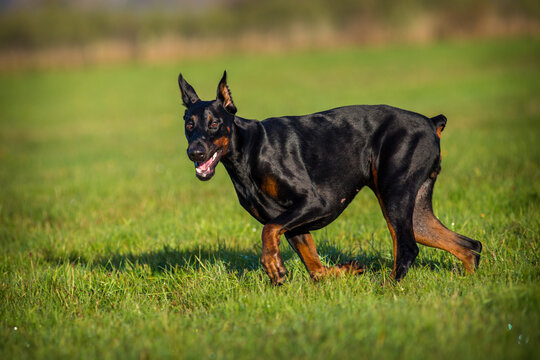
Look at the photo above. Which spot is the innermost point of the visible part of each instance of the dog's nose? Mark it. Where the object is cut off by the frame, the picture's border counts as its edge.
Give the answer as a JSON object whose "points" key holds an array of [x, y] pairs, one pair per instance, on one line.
{"points": [[196, 153]]}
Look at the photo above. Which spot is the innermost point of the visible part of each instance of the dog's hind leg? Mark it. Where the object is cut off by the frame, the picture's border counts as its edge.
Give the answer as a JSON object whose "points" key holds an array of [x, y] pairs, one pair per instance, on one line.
{"points": [[429, 231], [303, 245], [396, 198], [398, 212]]}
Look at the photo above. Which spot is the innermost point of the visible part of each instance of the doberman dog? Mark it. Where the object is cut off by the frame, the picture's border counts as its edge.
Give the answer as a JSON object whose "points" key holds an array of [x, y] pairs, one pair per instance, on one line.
{"points": [[296, 174]]}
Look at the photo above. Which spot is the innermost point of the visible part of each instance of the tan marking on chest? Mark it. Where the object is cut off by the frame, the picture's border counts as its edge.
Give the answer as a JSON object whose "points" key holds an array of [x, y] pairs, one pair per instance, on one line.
{"points": [[269, 186]]}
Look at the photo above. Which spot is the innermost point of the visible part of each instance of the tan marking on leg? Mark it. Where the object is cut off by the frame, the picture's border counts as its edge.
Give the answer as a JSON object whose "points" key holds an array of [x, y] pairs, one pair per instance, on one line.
{"points": [[440, 237], [352, 267], [305, 248], [271, 259]]}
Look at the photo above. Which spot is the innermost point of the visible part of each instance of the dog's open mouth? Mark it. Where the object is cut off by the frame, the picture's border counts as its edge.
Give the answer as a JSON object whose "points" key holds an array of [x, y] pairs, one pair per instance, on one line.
{"points": [[205, 170]]}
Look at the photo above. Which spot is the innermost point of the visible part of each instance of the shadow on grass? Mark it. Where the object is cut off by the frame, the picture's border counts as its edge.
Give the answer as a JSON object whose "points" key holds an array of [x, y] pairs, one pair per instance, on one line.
{"points": [[375, 258], [238, 261], [167, 258]]}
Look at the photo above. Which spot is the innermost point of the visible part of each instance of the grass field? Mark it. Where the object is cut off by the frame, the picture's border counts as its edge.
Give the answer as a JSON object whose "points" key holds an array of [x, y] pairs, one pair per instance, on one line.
{"points": [[111, 248]]}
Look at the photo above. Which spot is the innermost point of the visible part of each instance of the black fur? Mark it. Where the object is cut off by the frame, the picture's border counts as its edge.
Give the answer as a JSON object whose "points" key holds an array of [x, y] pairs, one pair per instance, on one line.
{"points": [[296, 174]]}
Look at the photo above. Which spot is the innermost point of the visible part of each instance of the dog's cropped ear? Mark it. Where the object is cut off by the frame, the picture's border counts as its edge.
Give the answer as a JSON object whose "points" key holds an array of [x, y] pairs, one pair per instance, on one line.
{"points": [[224, 95], [189, 96]]}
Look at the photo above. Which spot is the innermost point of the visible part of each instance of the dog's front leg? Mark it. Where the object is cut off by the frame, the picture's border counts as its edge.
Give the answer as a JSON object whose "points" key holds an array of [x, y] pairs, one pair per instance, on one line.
{"points": [[306, 210], [304, 246], [271, 259]]}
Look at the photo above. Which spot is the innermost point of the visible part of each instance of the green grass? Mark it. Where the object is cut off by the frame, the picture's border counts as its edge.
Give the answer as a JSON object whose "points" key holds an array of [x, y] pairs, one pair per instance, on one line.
{"points": [[110, 247]]}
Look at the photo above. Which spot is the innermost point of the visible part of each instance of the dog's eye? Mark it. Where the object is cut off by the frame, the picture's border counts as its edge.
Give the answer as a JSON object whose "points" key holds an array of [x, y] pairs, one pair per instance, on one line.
{"points": [[213, 125], [189, 126]]}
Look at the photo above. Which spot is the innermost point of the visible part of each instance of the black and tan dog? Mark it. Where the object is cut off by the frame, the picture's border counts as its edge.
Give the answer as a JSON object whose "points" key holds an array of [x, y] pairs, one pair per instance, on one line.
{"points": [[296, 174]]}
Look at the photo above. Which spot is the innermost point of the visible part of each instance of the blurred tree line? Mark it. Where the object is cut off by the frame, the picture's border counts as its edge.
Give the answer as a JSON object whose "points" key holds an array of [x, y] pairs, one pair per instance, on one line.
{"points": [[35, 24]]}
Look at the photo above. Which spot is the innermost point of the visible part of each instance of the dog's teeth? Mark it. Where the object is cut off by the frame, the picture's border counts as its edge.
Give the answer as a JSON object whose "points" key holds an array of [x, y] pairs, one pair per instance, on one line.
{"points": [[214, 157]]}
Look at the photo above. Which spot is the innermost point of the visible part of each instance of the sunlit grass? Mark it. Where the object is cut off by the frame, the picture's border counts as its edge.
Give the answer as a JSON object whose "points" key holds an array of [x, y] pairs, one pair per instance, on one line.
{"points": [[112, 248]]}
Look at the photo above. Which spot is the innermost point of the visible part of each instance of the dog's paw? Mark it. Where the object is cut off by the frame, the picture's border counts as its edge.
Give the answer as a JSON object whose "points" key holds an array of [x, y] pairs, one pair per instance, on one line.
{"points": [[350, 267], [353, 267]]}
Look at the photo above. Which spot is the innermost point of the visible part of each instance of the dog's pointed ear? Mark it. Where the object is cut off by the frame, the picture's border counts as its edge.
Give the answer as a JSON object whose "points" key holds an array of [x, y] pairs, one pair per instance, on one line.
{"points": [[189, 96], [224, 95]]}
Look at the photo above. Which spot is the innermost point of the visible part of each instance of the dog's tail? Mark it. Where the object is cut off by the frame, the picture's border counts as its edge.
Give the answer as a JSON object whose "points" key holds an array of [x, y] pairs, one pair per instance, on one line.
{"points": [[440, 122]]}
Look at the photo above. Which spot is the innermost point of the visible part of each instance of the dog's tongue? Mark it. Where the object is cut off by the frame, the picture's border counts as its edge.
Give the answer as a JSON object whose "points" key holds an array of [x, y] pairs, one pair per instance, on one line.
{"points": [[204, 167]]}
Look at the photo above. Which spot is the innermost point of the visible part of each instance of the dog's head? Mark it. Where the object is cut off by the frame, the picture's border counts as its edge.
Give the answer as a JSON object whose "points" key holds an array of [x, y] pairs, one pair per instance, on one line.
{"points": [[208, 126]]}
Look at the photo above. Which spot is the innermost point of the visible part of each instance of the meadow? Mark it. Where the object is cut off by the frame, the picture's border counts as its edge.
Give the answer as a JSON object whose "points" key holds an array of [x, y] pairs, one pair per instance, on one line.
{"points": [[111, 248]]}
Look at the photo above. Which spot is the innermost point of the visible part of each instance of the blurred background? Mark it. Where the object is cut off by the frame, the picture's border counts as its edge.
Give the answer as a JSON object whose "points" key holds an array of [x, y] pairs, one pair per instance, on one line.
{"points": [[111, 248], [46, 33]]}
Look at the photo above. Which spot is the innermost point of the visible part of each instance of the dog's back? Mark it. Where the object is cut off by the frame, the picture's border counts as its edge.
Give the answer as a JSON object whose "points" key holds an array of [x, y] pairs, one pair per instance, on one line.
{"points": [[335, 148]]}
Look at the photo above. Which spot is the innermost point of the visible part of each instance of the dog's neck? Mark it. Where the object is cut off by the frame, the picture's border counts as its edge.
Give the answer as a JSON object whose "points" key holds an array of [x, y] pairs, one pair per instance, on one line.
{"points": [[245, 135]]}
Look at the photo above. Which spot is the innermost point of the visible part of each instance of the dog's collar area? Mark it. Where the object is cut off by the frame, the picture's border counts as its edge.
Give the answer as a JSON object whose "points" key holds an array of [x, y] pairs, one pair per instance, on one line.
{"points": [[205, 170]]}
